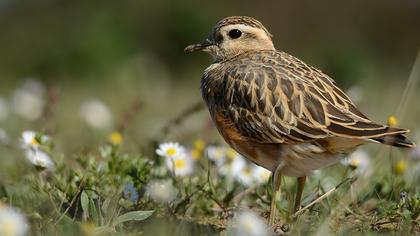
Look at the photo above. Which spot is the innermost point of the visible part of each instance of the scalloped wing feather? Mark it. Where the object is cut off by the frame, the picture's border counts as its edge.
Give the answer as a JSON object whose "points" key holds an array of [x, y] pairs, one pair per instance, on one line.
{"points": [[273, 97]]}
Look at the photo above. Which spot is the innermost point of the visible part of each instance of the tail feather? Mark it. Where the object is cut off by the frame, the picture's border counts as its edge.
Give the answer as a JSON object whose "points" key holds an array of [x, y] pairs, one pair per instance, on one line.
{"points": [[363, 130], [375, 132], [397, 140]]}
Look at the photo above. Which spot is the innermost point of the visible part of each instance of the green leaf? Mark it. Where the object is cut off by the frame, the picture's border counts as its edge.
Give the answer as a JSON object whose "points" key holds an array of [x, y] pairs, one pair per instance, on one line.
{"points": [[93, 211], [132, 215], [104, 230], [105, 205], [109, 209], [84, 200]]}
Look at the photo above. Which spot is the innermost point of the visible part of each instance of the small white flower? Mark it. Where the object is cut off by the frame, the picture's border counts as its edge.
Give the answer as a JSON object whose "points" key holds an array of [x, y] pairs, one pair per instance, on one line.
{"points": [[231, 154], [28, 100], [4, 109], [180, 165], [245, 176], [161, 191], [12, 222], [177, 159], [39, 159], [4, 138], [217, 154], [233, 168], [96, 114], [170, 150], [34, 86], [358, 160], [29, 139], [247, 223], [260, 174]]}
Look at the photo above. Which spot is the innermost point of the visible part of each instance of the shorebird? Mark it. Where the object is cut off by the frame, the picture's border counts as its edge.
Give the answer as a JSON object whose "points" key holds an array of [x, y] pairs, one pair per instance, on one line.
{"points": [[276, 110]]}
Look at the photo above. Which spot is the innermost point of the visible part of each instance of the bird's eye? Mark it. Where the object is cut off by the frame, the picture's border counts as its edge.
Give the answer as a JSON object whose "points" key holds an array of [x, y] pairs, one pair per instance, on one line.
{"points": [[235, 33]]}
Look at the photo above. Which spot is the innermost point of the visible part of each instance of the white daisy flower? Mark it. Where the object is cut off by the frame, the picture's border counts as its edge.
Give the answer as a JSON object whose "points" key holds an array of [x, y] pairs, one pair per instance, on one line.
{"points": [[12, 222], [181, 164], [39, 159], [29, 139], [96, 114], [217, 154], [161, 191], [260, 174], [233, 167], [4, 109], [358, 160], [231, 154], [34, 86], [170, 150], [28, 100], [245, 176], [247, 223]]}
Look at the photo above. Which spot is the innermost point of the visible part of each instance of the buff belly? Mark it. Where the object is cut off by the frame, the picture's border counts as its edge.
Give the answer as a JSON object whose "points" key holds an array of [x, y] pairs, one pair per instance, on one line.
{"points": [[298, 160]]}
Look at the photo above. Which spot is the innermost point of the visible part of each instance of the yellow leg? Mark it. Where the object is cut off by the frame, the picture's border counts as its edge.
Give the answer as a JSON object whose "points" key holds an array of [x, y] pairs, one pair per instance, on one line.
{"points": [[276, 194], [300, 185]]}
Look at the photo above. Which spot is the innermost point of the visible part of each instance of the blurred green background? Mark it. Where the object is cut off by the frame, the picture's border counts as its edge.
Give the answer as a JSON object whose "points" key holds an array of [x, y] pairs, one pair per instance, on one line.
{"points": [[131, 52]]}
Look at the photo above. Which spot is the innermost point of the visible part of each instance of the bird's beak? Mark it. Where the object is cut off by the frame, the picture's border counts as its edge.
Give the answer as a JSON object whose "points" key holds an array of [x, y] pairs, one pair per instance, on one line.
{"points": [[199, 46]]}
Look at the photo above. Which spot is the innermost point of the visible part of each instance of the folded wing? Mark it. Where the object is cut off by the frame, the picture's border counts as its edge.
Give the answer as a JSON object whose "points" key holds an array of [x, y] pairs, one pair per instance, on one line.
{"points": [[274, 97]]}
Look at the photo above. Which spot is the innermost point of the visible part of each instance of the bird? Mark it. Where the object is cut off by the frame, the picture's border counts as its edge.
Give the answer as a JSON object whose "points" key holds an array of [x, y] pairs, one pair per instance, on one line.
{"points": [[278, 111]]}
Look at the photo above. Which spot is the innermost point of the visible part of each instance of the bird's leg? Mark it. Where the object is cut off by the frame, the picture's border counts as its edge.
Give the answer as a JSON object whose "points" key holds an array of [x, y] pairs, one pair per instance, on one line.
{"points": [[300, 185], [276, 194]]}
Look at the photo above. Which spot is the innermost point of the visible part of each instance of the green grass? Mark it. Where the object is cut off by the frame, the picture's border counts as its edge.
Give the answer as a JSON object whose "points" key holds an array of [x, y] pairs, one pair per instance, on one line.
{"points": [[84, 194]]}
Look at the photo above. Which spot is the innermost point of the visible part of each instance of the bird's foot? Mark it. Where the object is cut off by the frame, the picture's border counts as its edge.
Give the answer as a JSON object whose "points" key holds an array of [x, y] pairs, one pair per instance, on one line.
{"points": [[280, 228], [276, 225]]}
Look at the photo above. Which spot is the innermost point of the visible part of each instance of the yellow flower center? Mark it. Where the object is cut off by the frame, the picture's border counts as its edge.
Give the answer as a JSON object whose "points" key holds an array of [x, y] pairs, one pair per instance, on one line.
{"points": [[247, 171], [115, 138], [196, 154], [392, 121], [8, 227], [231, 154], [199, 144], [355, 163], [34, 142], [218, 154], [249, 226], [400, 167], [171, 152], [180, 164]]}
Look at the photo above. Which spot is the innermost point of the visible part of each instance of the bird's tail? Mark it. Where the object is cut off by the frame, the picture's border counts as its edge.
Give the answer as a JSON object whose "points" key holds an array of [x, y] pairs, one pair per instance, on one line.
{"points": [[395, 139], [374, 132]]}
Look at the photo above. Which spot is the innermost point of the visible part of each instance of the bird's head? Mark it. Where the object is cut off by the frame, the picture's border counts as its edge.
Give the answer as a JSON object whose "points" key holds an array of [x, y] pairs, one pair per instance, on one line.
{"points": [[234, 35]]}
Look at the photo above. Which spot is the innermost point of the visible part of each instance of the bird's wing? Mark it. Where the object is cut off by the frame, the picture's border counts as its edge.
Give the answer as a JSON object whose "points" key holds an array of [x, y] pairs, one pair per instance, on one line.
{"points": [[273, 97]]}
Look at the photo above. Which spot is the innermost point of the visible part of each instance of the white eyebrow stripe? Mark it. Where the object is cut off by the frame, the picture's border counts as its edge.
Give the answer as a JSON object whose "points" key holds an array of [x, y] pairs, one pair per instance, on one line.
{"points": [[241, 27]]}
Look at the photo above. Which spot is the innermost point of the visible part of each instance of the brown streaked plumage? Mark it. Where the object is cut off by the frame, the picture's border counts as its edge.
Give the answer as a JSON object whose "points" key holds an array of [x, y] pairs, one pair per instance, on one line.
{"points": [[275, 109]]}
